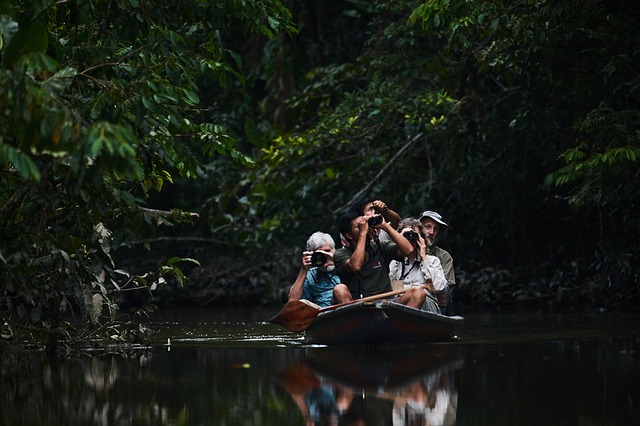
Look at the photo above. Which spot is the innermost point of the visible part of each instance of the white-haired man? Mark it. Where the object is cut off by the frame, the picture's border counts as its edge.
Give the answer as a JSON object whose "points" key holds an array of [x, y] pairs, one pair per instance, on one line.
{"points": [[432, 223], [316, 279]]}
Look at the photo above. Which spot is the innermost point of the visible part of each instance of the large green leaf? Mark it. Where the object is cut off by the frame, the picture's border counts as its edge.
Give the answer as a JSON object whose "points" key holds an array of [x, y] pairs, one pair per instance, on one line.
{"points": [[57, 83], [21, 161], [32, 39]]}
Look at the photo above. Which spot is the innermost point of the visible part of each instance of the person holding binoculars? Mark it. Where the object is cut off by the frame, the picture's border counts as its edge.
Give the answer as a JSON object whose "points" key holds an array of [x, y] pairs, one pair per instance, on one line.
{"points": [[363, 264], [419, 268]]}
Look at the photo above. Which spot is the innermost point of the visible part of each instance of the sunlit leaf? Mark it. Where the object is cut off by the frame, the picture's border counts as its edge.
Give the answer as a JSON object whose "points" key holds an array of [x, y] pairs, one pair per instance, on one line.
{"points": [[97, 302]]}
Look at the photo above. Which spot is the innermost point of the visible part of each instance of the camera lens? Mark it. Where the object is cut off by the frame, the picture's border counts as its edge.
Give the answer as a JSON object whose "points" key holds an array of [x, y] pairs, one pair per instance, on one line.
{"points": [[318, 259], [375, 220]]}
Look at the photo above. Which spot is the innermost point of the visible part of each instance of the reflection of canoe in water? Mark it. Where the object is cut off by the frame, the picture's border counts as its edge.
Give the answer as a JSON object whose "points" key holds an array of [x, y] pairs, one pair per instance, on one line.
{"points": [[380, 322], [413, 384], [370, 369]]}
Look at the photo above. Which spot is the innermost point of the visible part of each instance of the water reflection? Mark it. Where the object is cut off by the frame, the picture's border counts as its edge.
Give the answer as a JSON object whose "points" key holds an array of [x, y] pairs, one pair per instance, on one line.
{"points": [[37, 389], [409, 386], [506, 370]]}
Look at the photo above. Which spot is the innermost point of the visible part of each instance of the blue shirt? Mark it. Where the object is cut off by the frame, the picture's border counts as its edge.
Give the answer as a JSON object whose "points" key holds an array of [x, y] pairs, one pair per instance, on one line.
{"points": [[318, 286]]}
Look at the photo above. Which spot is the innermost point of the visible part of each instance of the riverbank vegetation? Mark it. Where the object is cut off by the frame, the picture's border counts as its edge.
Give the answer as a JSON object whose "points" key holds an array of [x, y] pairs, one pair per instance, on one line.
{"points": [[147, 143]]}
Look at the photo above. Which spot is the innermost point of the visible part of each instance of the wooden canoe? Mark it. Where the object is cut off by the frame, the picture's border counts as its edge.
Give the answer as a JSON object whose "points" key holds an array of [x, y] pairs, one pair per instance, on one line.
{"points": [[381, 322]]}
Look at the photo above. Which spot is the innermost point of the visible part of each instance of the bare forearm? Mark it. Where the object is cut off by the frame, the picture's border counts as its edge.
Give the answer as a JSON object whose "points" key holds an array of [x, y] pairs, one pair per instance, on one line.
{"points": [[404, 246], [295, 292], [354, 264], [392, 217]]}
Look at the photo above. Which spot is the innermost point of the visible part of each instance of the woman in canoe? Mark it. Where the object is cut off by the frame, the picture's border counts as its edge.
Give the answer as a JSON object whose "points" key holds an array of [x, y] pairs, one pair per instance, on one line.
{"points": [[418, 268]]}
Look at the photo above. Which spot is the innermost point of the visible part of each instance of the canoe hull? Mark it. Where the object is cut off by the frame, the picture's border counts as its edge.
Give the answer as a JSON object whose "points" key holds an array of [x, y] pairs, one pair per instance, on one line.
{"points": [[379, 323]]}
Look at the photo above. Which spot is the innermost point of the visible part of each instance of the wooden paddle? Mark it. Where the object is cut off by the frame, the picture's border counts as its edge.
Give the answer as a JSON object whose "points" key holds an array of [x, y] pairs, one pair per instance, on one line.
{"points": [[297, 315]]}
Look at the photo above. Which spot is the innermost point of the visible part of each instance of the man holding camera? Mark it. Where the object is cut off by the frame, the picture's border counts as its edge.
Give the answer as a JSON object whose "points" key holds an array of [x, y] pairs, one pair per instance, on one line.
{"points": [[363, 264], [316, 279]]}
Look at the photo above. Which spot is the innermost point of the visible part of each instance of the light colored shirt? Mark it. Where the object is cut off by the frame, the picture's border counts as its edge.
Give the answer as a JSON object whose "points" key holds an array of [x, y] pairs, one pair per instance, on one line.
{"points": [[418, 272]]}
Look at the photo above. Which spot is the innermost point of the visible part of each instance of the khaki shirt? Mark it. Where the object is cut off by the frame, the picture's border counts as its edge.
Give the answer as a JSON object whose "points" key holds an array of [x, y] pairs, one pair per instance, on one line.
{"points": [[447, 264]]}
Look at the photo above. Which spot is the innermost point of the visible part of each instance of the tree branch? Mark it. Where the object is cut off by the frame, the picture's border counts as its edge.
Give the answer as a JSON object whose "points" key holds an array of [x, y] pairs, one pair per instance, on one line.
{"points": [[401, 151]]}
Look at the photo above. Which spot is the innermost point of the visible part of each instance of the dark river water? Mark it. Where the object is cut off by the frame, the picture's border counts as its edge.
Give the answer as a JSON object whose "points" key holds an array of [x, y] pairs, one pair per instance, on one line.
{"points": [[231, 367]]}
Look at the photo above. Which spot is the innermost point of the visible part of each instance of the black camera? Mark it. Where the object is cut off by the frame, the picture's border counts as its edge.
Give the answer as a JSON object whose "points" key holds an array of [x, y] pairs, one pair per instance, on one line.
{"points": [[411, 236], [318, 259], [375, 220]]}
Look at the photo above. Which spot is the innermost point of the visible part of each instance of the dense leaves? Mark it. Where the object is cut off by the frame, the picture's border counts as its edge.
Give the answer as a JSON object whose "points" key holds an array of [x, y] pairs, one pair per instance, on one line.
{"points": [[99, 108], [516, 120]]}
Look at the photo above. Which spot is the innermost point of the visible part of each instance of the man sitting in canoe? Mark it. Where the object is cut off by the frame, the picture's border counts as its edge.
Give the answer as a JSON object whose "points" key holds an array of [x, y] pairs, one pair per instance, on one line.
{"points": [[363, 265], [316, 279], [432, 223]]}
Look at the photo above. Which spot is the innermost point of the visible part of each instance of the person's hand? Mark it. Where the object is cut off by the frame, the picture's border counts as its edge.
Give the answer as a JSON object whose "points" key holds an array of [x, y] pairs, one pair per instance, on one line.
{"points": [[380, 206], [306, 259], [422, 247], [328, 257], [328, 253], [363, 224]]}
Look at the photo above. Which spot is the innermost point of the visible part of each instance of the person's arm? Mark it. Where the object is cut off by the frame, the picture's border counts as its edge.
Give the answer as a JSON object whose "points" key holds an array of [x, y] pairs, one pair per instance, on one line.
{"points": [[423, 250], [295, 292], [431, 267], [405, 248], [355, 262], [432, 270]]}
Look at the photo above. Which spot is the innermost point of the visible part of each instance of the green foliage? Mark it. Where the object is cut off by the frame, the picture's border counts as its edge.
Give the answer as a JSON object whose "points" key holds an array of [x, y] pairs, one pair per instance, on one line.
{"points": [[461, 107], [602, 173], [100, 107], [516, 120], [353, 114]]}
